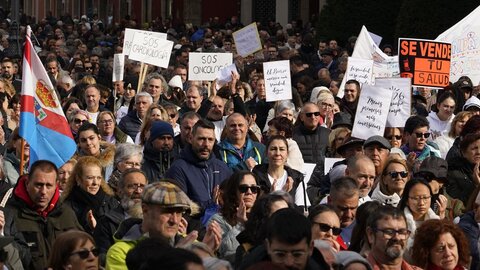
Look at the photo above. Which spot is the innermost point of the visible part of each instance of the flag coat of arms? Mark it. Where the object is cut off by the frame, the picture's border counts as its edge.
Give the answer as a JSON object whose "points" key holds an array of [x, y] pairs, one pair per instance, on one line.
{"points": [[42, 121]]}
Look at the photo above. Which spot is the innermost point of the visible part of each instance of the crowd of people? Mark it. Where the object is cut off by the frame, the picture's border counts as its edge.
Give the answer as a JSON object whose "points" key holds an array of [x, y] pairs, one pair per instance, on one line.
{"points": [[171, 173]]}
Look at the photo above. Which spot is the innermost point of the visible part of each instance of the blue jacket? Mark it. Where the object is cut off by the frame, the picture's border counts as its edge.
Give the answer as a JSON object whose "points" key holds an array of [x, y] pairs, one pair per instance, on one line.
{"points": [[197, 178], [235, 161], [472, 231]]}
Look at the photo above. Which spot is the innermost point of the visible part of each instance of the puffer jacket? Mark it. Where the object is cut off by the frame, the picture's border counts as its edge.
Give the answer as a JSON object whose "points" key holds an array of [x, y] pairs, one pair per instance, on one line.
{"points": [[312, 144]]}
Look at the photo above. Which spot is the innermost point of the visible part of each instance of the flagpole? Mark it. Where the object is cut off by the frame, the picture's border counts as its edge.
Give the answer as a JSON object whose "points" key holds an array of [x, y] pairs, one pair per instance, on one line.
{"points": [[140, 82], [22, 161]]}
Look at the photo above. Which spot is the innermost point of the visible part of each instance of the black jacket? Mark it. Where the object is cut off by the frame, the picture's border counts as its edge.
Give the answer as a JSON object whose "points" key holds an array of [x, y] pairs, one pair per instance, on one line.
{"points": [[312, 144], [130, 124], [156, 163], [472, 231], [460, 182]]}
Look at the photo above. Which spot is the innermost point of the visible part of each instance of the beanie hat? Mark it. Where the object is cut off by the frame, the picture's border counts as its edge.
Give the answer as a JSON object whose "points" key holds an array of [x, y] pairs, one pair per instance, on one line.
{"points": [[160, 128]]}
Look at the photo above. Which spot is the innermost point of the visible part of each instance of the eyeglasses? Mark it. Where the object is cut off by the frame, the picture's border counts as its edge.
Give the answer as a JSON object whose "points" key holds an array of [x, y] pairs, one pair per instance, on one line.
{"points": [[245, 188], [79, 121], [173, 115], [83, 254], [403, 174], [424, 135], [420, 198], [88, 68], [324, 104], [107, 122], [397, 137], [325, 228], [136, 186], [132, 164], [390, 233], [310, 114]]}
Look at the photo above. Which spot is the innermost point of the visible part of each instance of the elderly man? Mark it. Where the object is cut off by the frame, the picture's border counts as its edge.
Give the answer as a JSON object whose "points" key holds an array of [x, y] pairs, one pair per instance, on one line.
{"points": [[194, 101], [387, 234], [163, 207], [238, 150], [130, 123], [377, 148], [310, 136], [362, 170], [156, 85]]}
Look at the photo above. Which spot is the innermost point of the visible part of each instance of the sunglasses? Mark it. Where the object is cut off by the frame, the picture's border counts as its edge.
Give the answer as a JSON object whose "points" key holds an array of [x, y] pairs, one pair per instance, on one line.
{"points": [[424, 135], [79, 121], [397, 137], [88, 68], [325, 228], [173, 115], [245, 188], [310, 114], [83, 254], [403, 174]]}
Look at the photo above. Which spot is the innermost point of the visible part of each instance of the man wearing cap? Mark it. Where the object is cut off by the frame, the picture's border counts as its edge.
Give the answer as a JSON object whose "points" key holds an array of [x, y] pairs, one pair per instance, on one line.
{"points": [[328, 61], [463, 91], [434, 170], [197, 171], [377, 148], [158, 154], [163, 206]]}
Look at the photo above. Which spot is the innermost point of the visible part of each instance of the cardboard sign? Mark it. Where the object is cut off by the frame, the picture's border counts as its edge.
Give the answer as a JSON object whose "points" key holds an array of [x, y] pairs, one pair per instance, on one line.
{"points": [[118, 64], [247, 40], [278, 85], [372, 111], [205, 66], [399, 110], [465, 47], [360, 70], [151, 50], [130, 33], [427, 62]]}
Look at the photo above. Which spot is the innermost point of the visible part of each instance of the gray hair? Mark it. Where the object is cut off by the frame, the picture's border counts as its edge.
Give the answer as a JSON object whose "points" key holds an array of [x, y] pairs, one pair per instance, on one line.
{"points": [[124, 151], [284, 105], [66, 79], [158, 76], [121, 180], [144, 94], [323, 96]]}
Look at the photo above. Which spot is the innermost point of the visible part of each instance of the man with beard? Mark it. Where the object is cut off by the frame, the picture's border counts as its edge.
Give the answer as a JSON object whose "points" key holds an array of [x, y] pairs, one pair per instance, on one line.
{"points": [[130, 188], [187, 121], [197, 171], [387, 235], [349, 101], [9, 72]]}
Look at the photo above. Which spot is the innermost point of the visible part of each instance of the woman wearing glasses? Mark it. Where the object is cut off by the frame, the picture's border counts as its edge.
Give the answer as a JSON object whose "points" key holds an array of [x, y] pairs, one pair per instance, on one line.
{"points": [[107, 126], [392, 182], [127, 156], [464, 172], [74, 250], [76, 119], [394, 136], [239, 194], [325, 225]]}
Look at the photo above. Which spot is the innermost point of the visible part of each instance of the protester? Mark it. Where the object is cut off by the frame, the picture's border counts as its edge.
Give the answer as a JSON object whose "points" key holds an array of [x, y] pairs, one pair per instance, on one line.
{"points": [[127, 156], [393, 179], [74, 250]]}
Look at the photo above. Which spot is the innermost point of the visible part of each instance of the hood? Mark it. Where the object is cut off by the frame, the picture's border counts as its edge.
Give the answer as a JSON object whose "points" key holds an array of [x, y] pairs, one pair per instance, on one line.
{"points": [[153, 155], [473, 101], [21, 193], [129, 230]]}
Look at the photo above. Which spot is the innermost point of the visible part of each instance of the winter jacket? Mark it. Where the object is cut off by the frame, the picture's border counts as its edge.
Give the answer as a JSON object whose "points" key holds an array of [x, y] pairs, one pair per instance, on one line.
{"points": [[130, 124], [412, 227], [120, 136], [437, 126], [11, 166], [235, 161], [460, 179], [106, 156], [384, 199], [197, 178], [444, 144], [155, 163], [229, 243], [472, 231], [106, 227], [38, 229], [312, 144], [126, 237]]}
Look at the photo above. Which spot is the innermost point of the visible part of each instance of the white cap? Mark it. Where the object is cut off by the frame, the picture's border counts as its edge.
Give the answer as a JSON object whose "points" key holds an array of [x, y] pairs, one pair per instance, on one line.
{"points": [[176, 81]]}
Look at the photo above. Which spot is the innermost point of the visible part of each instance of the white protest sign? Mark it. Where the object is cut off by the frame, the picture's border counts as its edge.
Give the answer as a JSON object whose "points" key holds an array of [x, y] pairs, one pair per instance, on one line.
{"points": [[247, 40], [308, 169], [465, 57], [401, 99], [224, 76], [151, 50], [129, 34], [329, 162], [205, 66], [277, 80], [360, 70], [372, 111], [118, 64], [376, 38]]}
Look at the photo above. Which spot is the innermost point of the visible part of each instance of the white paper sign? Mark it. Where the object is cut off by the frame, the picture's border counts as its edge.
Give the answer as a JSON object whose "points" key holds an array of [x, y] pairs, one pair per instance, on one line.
{"points": [[224, 76], [118, 64], [329, 162], [151, 50], [247, 40], [205, 66], [130, 33], [360, 70], [401, 99], [376, 38], [372, 111], [278, 84], [308, 171]]}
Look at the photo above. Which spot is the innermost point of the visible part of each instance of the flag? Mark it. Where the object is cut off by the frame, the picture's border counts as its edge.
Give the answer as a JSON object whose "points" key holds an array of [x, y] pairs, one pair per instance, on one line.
{"points": [[42, 122]]}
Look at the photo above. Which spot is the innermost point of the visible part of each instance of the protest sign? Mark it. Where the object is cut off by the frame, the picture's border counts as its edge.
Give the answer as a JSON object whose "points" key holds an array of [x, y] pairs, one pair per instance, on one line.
{"points": [[129, 34], [247, 40], [224, 76], [205, 66], [277, 80], [329, 162], [376, 38], [427, 62], [401, 100], [151, 50], [463, 36], [360, 70], [308, 169], [118, 63], [372, 111]]}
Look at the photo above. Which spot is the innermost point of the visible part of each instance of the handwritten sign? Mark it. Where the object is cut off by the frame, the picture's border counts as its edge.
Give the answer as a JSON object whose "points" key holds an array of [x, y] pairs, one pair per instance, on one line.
{"points": [[130, 33], [224, 76], [118, 64], [360, 70], [205, 66], [151, 50], [372, 111], [401, 100], [247, 40], [277, 80], [427, 62]]}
